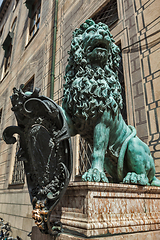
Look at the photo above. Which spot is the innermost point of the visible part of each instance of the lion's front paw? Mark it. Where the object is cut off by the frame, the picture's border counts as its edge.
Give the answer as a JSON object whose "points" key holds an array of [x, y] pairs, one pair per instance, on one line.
{"points": [[94, 175], [135, 178]]}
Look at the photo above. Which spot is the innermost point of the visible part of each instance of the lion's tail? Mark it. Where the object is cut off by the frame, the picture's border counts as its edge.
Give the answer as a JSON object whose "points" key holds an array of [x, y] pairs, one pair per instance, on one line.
{"points": [[120, 165]]}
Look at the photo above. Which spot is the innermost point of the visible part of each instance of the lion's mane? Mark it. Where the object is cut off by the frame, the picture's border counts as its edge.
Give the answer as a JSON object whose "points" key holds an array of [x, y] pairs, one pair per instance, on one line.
{"points": [[89, 90]]}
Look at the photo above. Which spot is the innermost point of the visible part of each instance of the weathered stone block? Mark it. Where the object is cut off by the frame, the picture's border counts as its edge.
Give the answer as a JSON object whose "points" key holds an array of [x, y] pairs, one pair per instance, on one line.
{"points": [[156, 87], [139, 101], [149, 92], [153, 121], [104, 208], [155, 61], [140, 21], [151, 11]]}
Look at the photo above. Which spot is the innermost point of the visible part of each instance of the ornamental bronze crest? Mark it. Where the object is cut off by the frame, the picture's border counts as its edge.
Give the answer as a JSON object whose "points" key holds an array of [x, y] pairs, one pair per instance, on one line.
{"points": [[45, 149]]}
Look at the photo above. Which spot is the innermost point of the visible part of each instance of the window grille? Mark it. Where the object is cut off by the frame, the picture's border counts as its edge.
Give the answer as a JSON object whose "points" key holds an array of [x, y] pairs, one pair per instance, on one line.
{"points": [[18, 171], [85, 152], [108, 14]]}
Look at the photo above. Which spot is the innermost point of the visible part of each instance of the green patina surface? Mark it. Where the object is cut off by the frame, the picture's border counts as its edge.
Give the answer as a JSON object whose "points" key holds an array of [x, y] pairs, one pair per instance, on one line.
{"points": [[92, 102]]}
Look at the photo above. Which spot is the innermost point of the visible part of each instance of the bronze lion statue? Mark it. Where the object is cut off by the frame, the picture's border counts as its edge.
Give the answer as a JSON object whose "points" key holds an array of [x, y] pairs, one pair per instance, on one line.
{"points": [[92, 102]]}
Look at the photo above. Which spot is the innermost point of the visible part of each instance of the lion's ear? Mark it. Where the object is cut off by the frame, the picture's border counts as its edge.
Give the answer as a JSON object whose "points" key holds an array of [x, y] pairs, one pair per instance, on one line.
{"points": [[90, 22]]}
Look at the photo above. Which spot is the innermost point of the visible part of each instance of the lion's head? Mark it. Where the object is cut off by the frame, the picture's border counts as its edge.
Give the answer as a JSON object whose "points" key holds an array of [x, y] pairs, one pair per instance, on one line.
{"points": [[92, 83]]}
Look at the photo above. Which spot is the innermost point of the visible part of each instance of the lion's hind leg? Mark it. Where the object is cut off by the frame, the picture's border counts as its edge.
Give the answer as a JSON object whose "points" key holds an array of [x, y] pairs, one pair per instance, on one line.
{"points": [[155, 182], [135, 178], [140, 164]]}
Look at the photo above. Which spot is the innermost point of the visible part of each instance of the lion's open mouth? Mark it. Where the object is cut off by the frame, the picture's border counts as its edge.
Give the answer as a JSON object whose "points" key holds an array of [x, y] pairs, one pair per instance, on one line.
{"points": [[98, 51], [99, 46]]}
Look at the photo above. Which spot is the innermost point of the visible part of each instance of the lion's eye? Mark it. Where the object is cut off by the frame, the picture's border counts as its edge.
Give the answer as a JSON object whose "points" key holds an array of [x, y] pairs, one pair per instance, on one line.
{"points": [[88, 49]]}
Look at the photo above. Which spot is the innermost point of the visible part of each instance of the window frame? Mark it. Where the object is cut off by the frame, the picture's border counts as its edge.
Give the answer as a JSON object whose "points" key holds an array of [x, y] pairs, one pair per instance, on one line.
{"points": [[34, 16], [7, 60], [8, 46]]}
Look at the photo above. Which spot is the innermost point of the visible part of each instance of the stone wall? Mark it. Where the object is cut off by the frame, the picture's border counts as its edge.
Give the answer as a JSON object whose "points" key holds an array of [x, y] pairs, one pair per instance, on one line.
{"points": [[28, 59], [148, 22]]}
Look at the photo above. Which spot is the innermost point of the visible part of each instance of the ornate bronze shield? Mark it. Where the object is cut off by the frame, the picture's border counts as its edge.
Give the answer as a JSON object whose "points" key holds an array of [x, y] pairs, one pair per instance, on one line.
{"points": [[45, 148]]}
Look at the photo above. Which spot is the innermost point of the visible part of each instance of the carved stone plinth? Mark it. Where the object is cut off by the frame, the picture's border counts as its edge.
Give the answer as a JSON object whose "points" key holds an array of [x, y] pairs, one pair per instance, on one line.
{"points": [[107, 209]]}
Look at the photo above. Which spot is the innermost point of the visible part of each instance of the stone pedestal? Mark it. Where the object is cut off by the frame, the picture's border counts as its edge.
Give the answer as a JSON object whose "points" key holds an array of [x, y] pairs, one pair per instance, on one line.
{"points": [[110, 211]]}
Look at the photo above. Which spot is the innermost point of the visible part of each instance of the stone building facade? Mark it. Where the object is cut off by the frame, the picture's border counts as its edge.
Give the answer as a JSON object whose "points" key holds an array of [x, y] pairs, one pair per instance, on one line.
{"points": [[25, 58], [27, 32]]}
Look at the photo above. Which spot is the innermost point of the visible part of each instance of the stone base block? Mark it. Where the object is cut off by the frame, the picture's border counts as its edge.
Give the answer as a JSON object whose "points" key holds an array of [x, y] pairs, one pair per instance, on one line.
{"points": [[152, 235], [95, 209], [108, 211]]}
